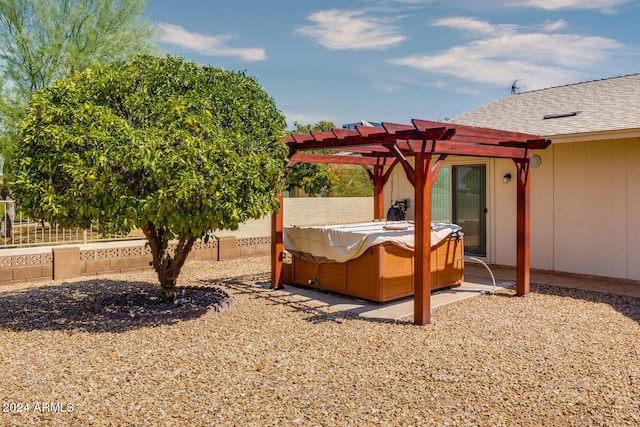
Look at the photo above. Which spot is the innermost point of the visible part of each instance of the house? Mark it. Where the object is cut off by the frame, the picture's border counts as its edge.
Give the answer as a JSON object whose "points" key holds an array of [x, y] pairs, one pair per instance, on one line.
{"points": [[585, 188], [352, 126]]}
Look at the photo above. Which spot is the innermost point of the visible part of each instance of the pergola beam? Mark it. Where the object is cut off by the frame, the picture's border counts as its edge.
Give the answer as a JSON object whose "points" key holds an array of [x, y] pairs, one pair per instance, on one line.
{"points": [[300, 157], [470, 149], [485, 135], [408, 169], [435, 169]]}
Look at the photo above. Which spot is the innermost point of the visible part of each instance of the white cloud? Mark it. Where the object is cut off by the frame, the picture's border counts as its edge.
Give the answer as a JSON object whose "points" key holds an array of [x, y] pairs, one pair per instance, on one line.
{"points": [[474, 25], [489, 71], [554, 25], [562, 49], [572, 4], [351, 29], [306, 118], [207, 45], [604, 5], [540, 59]]}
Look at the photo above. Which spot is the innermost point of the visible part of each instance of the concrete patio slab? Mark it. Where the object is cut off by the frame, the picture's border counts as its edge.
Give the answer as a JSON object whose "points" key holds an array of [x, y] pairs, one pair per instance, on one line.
{"points": [[394, 310]]}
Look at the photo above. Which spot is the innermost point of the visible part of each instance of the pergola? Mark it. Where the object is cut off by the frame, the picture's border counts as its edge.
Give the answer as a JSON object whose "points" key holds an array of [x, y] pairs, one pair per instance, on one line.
{"points": [[379, 150]]}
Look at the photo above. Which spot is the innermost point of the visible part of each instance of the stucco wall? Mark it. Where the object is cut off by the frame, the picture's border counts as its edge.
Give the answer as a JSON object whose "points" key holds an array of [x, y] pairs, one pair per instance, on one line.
{"points": [[327, 210], [310, 211]]}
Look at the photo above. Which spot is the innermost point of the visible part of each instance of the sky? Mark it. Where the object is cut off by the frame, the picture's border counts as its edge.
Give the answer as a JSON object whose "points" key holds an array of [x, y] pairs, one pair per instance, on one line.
{"points": [[395, 60]]}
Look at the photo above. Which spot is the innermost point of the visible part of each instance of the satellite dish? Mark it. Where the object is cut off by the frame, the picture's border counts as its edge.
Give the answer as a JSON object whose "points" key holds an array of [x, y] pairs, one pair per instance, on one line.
{"points": [[515, 88]]}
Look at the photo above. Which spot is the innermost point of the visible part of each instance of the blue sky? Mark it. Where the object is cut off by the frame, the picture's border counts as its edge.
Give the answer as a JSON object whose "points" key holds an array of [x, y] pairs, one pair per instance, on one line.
{"points": [[394, 60]]}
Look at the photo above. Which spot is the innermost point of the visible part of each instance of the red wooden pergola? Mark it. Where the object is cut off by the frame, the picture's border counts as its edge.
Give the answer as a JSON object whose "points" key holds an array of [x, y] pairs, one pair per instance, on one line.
{"points": [[379, 150]]}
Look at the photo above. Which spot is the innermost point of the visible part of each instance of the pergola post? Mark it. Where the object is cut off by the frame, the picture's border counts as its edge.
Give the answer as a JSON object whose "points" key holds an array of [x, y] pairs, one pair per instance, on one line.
{"points": [[523, 232], [378, 192], [277, 245], [422, 244]]}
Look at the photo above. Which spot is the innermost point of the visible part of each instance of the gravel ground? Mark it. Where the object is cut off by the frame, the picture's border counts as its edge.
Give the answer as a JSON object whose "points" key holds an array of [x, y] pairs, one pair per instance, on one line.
{"points": [[557, 357]]}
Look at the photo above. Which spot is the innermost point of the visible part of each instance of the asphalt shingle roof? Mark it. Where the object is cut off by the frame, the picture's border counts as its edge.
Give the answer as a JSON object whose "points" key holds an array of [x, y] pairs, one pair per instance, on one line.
{"points": [[603, 105]]}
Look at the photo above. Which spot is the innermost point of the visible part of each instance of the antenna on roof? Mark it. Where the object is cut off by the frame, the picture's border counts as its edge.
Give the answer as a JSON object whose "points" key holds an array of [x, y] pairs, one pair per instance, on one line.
{"points": [[515, 88]]}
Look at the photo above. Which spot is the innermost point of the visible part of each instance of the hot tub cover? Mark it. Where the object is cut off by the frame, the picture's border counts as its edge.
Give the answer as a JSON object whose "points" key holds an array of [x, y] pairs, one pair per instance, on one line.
{"points": [[341, 243]]}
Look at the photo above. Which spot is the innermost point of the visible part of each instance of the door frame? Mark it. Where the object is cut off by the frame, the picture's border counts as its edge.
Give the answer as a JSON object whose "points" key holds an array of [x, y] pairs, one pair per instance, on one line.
{"points": [[488, 164]]}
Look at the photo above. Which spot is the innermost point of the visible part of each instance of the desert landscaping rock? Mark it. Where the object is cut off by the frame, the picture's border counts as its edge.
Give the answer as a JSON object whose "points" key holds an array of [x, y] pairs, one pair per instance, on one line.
{"points": [[556, 357]]}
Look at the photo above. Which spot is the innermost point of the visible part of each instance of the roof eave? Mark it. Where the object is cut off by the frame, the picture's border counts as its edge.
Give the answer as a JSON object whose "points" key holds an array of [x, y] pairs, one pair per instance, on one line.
{"points": [[594, 136]]}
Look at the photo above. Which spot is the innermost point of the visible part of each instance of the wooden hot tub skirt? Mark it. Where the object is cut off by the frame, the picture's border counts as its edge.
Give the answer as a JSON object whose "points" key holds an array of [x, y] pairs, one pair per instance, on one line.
{"points": [[383, 273]]}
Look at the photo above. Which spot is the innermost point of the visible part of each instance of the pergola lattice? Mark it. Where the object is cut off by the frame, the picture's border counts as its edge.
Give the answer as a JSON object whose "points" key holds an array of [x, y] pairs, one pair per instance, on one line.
{"points": [[379, 150]]}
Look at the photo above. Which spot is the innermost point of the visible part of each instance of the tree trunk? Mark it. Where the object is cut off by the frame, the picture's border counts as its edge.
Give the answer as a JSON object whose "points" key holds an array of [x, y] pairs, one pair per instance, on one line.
{"points": [[167, 265]]}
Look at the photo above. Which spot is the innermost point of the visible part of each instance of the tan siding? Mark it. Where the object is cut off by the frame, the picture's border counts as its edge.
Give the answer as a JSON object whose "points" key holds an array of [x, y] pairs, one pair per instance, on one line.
{"points": [[542, 199], [611, 221], [570, 241], [398, 187], [585, 198], [590, 208], [632, 192], [503, 213]]}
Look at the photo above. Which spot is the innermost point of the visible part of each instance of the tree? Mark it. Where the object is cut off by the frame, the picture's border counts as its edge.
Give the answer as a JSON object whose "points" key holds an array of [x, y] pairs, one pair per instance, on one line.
{"points": [[43, 40], [331, 180], [313, 178], [350, 181], [160, 144]]}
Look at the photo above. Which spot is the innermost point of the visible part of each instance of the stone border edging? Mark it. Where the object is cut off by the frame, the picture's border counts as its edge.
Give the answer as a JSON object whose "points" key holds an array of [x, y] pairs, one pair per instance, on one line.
{"points": [[223, 305]]}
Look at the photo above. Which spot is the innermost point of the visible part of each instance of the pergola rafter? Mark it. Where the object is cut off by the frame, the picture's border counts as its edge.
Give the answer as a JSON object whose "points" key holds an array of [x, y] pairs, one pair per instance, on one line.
{"points": [[428, 143]]}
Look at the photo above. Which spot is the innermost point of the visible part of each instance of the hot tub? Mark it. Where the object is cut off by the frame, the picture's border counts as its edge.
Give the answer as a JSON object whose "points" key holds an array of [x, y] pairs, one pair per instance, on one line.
{"points": [[373, 261]]}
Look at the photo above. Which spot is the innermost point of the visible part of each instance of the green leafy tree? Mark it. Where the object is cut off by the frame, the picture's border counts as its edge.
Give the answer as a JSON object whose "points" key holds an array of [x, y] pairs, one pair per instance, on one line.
{"points": [[326, 179], [313, 178], [350, 181], [43, 40], [160, 144]]}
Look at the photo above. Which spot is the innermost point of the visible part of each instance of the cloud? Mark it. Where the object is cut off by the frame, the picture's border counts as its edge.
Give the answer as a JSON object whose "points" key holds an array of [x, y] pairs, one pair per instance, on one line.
{"points": [[306, 118], [387, 85], [351, 29], [572, 4], [473, 25], [506, 54], [604, 5], [554, 25], [207, 45]]}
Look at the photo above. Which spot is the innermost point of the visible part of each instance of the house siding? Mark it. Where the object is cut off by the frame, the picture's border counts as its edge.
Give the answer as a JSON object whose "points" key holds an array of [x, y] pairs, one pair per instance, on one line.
{"points": [[398, 188], [585, 200], [632, 197], [584, 209], [590, 216]]}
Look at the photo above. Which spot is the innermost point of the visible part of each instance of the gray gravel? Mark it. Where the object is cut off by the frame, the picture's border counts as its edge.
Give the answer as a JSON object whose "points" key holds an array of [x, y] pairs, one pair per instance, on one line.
{"points": [[558, 357]]}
